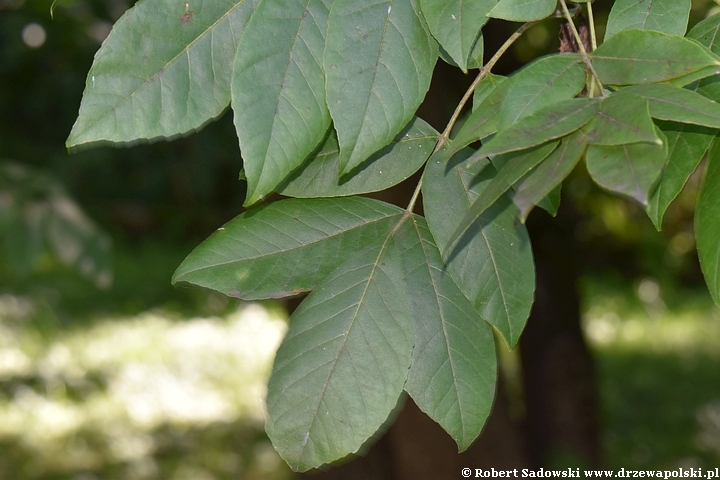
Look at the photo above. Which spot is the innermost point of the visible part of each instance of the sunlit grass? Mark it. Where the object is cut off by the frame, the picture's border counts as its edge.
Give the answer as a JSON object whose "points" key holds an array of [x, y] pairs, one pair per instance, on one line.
{"points": [[658, 357], [124, 397]]}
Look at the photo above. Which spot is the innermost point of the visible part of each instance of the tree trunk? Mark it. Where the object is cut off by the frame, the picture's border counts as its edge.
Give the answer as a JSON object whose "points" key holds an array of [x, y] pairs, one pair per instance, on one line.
{"points": [[561, 400]]}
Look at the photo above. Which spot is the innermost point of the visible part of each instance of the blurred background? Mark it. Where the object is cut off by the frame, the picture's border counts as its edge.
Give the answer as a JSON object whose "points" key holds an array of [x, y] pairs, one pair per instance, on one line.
{"points": [[108, 372]]}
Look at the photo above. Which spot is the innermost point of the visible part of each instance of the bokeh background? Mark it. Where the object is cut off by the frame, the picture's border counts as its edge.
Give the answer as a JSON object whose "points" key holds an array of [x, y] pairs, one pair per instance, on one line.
{"points": [[108, 372]]}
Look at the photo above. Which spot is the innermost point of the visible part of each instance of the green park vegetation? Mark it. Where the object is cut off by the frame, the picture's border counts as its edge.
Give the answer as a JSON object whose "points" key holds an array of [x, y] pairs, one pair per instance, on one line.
{"points": [[108, 371]]}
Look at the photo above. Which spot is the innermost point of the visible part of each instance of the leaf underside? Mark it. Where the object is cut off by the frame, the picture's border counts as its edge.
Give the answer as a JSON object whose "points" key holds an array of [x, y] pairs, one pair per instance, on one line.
{"points": [[494, 268], [342, 366], [320, 174], [278, 90], [388, 72], [284, 248]]}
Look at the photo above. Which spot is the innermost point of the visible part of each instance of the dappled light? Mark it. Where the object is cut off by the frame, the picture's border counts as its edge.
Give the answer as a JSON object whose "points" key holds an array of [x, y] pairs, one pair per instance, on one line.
{"points": [[115, 400], [658, 359]]}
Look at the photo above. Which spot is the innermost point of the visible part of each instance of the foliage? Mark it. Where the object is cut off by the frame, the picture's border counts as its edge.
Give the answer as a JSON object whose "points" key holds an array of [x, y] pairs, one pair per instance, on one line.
{"points": [[324, 95], [38, 219]]}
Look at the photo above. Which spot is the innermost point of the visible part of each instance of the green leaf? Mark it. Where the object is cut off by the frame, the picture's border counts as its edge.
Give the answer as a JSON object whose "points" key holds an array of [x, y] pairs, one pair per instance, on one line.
{"points": [[643, 56], [631, 170], [456, 25], [687, 145], [278, 90], [342, 366], [546, 177], [679, 104], [667, 16], [706, 32], [475, 58], [550, 79], [494, 266], [548, 123], [286, 247], [163, 71], [551, 203], [622, 118], [378, 60], [701, 74], [523, 10], [319, 176], [486, 87], [454, 366], [707, 222], [483, 120]]}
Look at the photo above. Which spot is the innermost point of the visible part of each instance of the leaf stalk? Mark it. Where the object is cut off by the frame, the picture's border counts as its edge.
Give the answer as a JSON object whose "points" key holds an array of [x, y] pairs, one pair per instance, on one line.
{"points": [[484, 71], [586, 58]]}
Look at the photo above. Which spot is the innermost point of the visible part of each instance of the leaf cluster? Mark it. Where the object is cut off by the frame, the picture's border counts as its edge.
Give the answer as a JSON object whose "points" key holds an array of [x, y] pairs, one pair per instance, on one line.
{"points": [[324, 95]]}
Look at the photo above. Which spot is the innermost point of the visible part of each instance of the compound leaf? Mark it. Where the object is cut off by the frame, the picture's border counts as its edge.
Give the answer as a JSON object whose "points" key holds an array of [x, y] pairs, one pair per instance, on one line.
{"points": [[707, 222], [667, 16], [342, 366], [163, 71], [278, 90], [454, 367], [378, 60], [494, 267], [644, 56], [284, 248], [319, 176]]}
